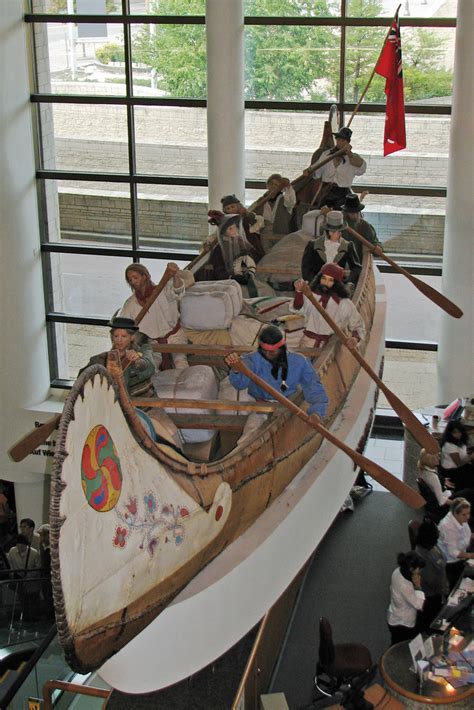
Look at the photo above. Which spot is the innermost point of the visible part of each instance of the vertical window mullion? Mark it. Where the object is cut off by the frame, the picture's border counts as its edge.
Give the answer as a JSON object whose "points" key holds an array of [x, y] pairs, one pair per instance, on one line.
{"points": [[132, 161], [342, 62]]}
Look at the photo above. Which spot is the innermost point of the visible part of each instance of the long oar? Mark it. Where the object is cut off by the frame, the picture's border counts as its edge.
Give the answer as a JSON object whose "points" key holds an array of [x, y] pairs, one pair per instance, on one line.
{"points": [[426, 290], [415, 427], [312, 168], [31, 441], [386, 479]]}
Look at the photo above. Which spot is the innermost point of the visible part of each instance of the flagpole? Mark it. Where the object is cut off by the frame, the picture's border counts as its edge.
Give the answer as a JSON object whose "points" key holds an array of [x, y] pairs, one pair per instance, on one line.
{"points": [[356, 108]]}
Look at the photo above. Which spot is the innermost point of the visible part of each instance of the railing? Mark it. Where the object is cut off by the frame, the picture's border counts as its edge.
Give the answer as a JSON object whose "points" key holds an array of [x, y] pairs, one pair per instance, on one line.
{"points": [[52, 685]]}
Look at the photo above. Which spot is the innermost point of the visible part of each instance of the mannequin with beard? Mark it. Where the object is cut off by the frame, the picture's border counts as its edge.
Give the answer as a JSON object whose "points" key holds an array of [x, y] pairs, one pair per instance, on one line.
{"points": [[283, 370], [251, 222], [331, 293], [234, 253]]}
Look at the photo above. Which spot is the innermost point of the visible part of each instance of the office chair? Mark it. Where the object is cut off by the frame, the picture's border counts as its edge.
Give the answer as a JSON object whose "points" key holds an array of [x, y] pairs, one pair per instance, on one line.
{"points": [[433, 509], [413, 526], [338, 663]]}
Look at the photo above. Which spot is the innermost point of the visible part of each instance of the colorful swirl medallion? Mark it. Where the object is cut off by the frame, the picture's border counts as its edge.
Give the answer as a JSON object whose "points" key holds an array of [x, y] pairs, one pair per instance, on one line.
{"points": [[101, 475]]}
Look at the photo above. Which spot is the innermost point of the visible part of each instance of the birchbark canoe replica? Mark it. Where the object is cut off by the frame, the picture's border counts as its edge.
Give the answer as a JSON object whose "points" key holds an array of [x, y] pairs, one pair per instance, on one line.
{"points": [[133, 521]]}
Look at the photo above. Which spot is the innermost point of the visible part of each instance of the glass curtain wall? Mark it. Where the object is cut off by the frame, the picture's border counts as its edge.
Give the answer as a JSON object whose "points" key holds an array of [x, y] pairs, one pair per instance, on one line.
{"points": [[119, 95]]}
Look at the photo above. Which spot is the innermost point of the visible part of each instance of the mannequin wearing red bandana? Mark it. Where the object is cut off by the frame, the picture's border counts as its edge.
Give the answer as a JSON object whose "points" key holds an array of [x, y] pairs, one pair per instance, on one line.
{"points": [[329, 290], [283, 370]]}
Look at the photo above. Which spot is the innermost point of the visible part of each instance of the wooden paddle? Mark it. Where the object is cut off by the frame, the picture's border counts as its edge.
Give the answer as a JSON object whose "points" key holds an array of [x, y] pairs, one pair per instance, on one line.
{"points": [[386, 479], [426, 290], [415, 427], [36, 437], [312, 168]]}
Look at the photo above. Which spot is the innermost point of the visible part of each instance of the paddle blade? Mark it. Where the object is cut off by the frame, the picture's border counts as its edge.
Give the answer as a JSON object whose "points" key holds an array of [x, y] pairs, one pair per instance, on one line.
{"points": [[448, 306], [35, 438], [406, 494]]}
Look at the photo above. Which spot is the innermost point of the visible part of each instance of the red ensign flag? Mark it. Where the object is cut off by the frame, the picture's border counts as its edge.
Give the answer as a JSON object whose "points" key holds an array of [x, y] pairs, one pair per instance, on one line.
{"points": [[389, 65]]}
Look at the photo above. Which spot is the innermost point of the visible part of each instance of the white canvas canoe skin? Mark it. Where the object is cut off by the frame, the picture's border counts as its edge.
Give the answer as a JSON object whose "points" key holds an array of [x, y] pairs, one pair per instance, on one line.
{"points": [[126, 524]]}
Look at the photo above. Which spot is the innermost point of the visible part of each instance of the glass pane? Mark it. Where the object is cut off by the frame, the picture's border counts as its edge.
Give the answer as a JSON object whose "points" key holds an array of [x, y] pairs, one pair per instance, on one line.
{"points": [[410, 226], [304, 130], [88, 285], [170, 59], [409, 8], [291, 63], [173, 222], [428, 60], [88, 212], [423, 162], [168, 7], [157, 267], [76, 344], [84, 138], [171, 140], [80, 7], [410, 314], [71, 62], [292, 8], [411, 375]]}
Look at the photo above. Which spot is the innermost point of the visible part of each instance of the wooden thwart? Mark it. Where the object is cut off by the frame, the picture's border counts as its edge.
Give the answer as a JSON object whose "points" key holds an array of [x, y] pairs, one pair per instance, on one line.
{"points": [[221, 350], [221, 404]]}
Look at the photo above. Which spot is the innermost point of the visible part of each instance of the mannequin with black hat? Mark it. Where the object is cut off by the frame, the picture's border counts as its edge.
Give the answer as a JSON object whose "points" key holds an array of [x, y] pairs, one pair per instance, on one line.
{"points": [[352, 211], [283, 369], [338, 174], [329, 290], [333, 247], [136, 360]]}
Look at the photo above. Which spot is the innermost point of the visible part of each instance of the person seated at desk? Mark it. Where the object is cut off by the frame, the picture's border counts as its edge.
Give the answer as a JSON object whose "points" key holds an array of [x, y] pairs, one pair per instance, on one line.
{"points": [[428, 469], [457, 463], [434, 582], [455, 538], [406, 598]]}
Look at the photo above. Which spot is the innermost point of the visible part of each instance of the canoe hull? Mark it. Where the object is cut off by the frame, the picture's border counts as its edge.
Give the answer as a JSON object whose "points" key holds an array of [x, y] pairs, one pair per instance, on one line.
{"points": [[248, 481]]}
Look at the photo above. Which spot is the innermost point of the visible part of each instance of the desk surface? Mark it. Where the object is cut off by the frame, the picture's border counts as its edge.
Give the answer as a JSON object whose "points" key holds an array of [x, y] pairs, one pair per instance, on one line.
{"points": [[395, 669]]}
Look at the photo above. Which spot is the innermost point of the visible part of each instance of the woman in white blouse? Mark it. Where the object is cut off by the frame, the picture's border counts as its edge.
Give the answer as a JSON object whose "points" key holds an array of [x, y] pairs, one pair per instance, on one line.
{"points": [[455, 538], [428, 467], [457, 462], [406, 598]]}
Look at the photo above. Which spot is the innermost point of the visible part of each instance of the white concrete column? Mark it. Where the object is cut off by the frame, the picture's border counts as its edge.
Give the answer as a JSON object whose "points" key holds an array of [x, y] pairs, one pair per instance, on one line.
{"points": [[225, 99], [24, 370], [456, 346]]}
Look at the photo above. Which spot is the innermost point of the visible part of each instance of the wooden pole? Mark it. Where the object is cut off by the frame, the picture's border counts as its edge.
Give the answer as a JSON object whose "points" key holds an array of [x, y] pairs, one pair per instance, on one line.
{"points": [[356, 108], [312, 168]]}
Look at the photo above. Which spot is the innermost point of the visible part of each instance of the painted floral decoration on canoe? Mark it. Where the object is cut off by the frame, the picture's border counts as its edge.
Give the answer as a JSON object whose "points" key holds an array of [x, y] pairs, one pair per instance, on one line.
{"points": [[156, 523]]}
